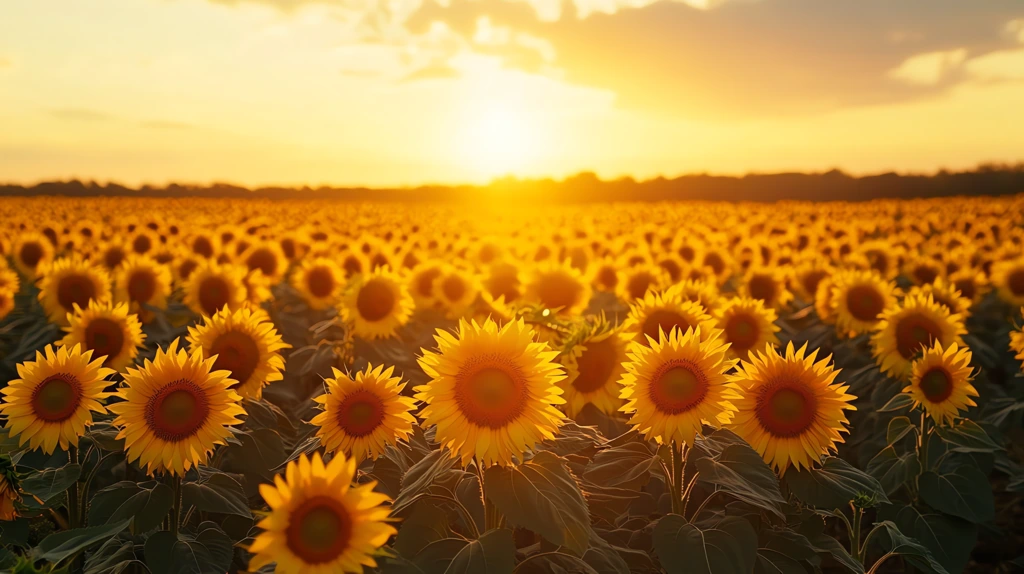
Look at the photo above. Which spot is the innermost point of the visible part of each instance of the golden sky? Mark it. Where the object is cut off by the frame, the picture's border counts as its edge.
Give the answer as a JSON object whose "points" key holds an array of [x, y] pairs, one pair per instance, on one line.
{"points": [[404, 92]]}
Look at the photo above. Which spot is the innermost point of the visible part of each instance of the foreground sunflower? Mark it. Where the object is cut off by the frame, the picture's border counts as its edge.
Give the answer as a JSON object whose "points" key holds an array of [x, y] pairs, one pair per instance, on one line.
{"points": [[377, 303], [54, 397], [676, 385], [142, 282], [858, 299], [245, 344], [175, 410], [360, 417], [108, 331], [493, 391], [767, 284], [664, 312], [790, 410], [594, 365], [910, 327], [319, 281], [941, 382], [70, 281], [319, 523], [747, 325]]}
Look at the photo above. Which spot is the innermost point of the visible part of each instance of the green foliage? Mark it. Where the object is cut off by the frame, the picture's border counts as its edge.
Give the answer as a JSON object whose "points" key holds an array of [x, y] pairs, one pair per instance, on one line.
{"points": [[724, 546]]}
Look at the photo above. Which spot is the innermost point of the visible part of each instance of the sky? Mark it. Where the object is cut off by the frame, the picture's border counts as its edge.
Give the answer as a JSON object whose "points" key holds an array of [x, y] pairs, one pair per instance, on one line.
{"points": [[410, 92]]}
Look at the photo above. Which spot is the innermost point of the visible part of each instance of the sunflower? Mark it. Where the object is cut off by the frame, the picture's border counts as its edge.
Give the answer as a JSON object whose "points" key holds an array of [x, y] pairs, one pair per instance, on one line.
{"points": [[377, 304], [806, 275], [823, 306], [767, 284], [699, 291], [1008, 279], [970, 282], [604, 275], [922, 269], [31, 250], [257, 288], [945, 293], [144, 242], [319, 523], [909, 328], [213, 286], [70, 281], [455, 290], [10, 489], [245, 345], [175, 411], [109, 254], [941, 382], [9, 278], [639, 280], [493, 391], [320, 281], [594, 365], [1017, 342], [676, 385], [6, 302], [558, 286], [665, 311], [142, 282], [362, 416], [791, 410], [858, 299], [747, 325], [502, 280], [108, 331], [54, 397], [268, 258], [421, 282]]}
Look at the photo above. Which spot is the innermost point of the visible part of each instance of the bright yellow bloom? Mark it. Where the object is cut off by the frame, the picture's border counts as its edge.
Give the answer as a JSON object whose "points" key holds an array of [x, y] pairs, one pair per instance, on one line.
{"points": [[108, 331], [244, 343], [70, 281], [941, 382], [747, 325], [910, 327], [377, 304], [594, 364]]}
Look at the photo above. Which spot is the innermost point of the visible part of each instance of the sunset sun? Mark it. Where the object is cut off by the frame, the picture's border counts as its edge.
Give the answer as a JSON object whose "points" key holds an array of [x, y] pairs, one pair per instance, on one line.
{"points": [[499, 138]]}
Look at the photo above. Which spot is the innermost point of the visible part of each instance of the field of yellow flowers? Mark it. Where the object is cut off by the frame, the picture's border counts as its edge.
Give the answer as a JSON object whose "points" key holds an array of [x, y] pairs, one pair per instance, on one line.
{"points": [[220, 385]]}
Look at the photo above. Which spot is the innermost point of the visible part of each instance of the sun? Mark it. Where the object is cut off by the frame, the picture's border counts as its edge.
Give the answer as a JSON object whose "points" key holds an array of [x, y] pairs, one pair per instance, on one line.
{"points": [[499, 138]]}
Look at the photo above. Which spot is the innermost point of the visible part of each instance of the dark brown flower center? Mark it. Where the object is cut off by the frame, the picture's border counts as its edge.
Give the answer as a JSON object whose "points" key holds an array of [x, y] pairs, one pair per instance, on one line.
{"points": [[490, 392], [360, 413], [177, 411], [375, 300], [936, 385], [104, 337], [678, 387], [57, 398], [236, 352], [319, 530], [76, 289], [596, 365]]}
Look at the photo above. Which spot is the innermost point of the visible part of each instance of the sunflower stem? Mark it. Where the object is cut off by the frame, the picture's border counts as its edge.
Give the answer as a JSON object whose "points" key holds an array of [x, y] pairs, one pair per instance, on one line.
{"points": [[924, 441], [678, 470], [72, 492], [176, 506], [855, 533]]}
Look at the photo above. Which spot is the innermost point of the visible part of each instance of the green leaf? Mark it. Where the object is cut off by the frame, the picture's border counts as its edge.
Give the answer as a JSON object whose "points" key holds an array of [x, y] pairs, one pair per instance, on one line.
{"points": [[436, 556], [967, 436], [14, 532], [833, 485], [114, 557], [542, 496], [783, 552], [627, 466], [49, 483], [949, 539], [104, 435], [725, 548], [209, 551], [899, 543], [604, 557], [899, 427], [893, 470], [899, 402], [742, 473], [147, 502], [494, 552], [964, 492], [60, 545], [548, 562], [427, 523], [421, 476], [218, 493]]}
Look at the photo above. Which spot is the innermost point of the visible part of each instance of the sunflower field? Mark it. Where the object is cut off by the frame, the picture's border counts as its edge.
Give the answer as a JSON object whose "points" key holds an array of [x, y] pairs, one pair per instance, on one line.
{"points": [[203, 385]]}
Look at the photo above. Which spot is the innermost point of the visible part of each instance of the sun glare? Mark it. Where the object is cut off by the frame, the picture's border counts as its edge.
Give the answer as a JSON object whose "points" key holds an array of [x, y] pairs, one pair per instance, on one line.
{"points": [[499, 139]]}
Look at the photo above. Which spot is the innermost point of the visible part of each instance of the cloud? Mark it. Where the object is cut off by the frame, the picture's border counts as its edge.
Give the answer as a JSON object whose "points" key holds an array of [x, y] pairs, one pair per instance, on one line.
{"points": [[929, 69], [434, 71], [80, 115], [748, 58]]}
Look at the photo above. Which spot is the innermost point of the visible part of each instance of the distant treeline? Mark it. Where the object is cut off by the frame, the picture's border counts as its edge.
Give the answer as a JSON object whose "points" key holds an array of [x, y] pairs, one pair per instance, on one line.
{"points": [[587, 187]]}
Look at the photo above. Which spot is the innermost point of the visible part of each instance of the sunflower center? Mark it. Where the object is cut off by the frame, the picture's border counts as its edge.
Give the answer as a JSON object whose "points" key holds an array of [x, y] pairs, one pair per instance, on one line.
{"points": [[639, 284], [715, 262], [352, 265], [681, 386], [202, 246], [75, 290], [319, 530], [966, 288], [141, 286], [936, 385], [105, 337], [56, 398], [915, 332], [454, 287], [375, 300], [786, 410], [812, 279], [425, 282], [878, 261], [113, 257], [31, 254], [927, 274], [213, 294], [320, 281], [607, 278], [360, 413], [263, 260], [666, 320], [177, 411], [142, 244], [743, 332], [491, 396], [558, 290], [1016, 282], [865, 303], [596, 366], [236, 352], [762, 287]]}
